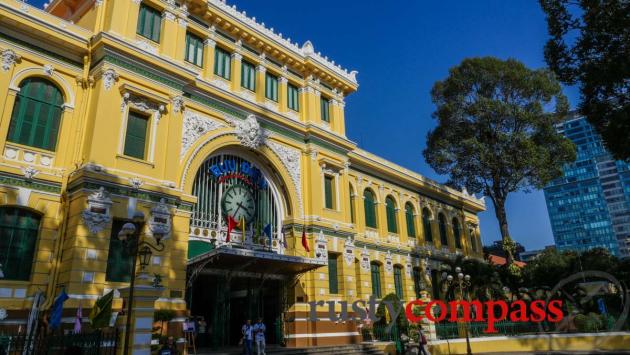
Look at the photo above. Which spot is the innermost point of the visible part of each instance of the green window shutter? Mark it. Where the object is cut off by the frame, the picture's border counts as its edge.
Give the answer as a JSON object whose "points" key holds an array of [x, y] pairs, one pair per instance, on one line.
{"points": [[376, 279], [411, 226], [271, 87], [293, 97], [416, 281], [390, 206], [18, 238], [370, 209], [328, 192], [149, 23], [135, 137], [118, 259], [333, 282], [222, 63], [248, 76], [194, 49], [442, 225], [325, 108], [426, 224], [398, 283], [353, 217], [36, 114], [457, 234]]}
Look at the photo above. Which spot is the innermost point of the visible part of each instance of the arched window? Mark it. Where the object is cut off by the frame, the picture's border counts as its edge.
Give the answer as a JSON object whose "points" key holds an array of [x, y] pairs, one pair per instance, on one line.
{"points": [[426, 225], [410, 217], [375, 269], [18, 237], [442, 225], [369, 204], [390, 206], [457, 234], [398, 281], [36, 114], [353, 217]]}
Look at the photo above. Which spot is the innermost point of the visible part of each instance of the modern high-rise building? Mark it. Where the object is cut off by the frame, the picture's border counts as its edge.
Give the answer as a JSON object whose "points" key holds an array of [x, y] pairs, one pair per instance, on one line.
{"points": [[589, 206]]}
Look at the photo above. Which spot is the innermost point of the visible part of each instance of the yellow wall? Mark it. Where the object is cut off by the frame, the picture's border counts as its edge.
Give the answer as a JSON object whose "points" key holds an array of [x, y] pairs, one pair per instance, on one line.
{"points": [[120, 71]]}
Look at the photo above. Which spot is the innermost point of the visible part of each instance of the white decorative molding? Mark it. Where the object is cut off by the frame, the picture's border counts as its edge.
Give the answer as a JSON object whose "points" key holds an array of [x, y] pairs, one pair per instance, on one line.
{"points": [[48, 69], [209, 42], [321, 247], [96, 216], [146, 46], [9, 58], [109, 78], [142, 104], [247, 95], [29, 172], [271, 105], [195, 126], [178, 103], [137, 2], [290, 158], [135, 183], [307, 50], [250, 133], [167, 15], [389, 264], [348, 251], [160, 222], [182, 22], [365, 259], [221, 83], [408, 266], [293, 115], [237, 56]]}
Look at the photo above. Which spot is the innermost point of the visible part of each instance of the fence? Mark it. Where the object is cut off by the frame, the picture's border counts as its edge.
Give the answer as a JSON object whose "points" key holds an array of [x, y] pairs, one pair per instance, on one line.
{"points": [[451, 330], [94, 343]]}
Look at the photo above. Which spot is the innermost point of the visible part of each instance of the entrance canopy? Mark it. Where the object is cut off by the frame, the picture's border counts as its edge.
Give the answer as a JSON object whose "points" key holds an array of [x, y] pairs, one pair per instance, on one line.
{"points": [[238, 260]]}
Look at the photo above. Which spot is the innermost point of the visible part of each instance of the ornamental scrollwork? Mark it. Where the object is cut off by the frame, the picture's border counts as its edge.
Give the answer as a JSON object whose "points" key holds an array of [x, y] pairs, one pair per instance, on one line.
{"points": [[195, 126], [9, 58], [250, 133], [348, 252], [365, 259], [160, 222]]}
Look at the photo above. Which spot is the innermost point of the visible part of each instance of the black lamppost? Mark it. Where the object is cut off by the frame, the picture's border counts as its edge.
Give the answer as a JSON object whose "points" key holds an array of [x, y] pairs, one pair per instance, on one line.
{"points": [[130, 235], [463, 282]]}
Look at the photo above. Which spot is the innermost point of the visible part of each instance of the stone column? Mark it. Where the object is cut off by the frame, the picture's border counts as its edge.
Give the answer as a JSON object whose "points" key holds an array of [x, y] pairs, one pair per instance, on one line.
{"points": [[282, 94], [236, 71], [144, 297]]}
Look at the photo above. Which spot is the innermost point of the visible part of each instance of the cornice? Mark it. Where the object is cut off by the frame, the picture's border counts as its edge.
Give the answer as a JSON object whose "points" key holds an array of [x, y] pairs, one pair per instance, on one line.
{"points": [[305, 52]]}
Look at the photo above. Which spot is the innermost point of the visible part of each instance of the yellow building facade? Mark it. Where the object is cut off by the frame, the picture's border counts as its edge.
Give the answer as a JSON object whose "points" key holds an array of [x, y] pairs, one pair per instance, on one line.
{"points": [[204, 120]]}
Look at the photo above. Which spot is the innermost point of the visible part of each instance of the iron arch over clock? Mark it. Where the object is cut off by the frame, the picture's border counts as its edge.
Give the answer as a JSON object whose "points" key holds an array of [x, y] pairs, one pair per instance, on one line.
{"points": [[235, 194]]}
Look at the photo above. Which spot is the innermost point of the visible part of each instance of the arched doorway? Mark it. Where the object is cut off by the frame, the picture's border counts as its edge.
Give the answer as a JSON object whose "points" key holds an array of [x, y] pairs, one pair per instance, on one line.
{"points": [[237, 265]]}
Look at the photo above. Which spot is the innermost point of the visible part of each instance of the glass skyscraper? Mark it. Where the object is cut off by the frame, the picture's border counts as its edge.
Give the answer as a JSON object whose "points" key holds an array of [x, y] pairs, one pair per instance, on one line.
{"points": [[589, 206]]}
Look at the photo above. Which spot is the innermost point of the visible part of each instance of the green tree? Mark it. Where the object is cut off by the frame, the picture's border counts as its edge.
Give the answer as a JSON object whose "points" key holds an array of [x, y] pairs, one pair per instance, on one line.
{"points": [[590, 46], [495, 132]]}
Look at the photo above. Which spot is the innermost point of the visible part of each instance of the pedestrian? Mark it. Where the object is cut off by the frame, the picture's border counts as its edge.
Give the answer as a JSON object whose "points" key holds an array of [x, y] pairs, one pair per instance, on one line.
{"points": [[169, 348], [259, 331], [203, 332], [248, 332], [422, 340]]}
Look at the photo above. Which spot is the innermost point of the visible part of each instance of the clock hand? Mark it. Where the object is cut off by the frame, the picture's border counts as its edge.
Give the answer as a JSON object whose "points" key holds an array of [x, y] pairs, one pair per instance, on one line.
{"points": [[239, 207]]}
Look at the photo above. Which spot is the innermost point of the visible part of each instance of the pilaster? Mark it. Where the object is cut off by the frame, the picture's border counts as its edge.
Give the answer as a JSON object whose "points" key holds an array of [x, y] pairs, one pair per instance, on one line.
{"points": [[208, 60], [170, 35], [261, 73], [143, 310], [236, 71], [180, 44], [282, 93]]}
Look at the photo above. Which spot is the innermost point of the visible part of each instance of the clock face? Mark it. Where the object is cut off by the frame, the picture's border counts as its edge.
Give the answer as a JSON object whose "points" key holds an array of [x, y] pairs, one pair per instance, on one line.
{"points": [[238, 202]]}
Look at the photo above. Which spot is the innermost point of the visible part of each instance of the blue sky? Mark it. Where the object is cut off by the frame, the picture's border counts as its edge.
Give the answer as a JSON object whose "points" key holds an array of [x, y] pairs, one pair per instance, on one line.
{"points": [[400, 48]]}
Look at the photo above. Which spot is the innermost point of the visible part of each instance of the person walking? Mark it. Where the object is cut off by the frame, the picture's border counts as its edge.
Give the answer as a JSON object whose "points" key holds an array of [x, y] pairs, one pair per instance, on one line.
{"points": [[247, 331], [422, 341], [259, 333]]}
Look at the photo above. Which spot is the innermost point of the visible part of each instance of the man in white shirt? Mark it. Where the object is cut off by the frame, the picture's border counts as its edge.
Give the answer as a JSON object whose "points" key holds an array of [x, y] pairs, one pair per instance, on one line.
{"points": [[259, 331], [247, 330]]}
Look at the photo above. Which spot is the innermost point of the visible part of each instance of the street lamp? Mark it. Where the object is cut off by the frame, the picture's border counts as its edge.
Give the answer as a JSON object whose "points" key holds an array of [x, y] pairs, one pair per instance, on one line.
{"points": [[130, 234], [463, 282]]}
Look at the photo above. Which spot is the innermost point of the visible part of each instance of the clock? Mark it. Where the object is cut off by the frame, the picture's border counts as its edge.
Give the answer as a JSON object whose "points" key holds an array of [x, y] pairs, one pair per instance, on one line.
{"points": [[238, 202]]}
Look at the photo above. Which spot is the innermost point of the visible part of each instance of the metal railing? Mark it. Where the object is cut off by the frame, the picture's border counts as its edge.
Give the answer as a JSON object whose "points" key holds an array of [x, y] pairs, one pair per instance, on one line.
{"points": [[93, 343]]}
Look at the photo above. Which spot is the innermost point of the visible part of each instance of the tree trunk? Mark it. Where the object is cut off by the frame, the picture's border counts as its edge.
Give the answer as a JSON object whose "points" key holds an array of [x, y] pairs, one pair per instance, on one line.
{"points": [[499, 209]]}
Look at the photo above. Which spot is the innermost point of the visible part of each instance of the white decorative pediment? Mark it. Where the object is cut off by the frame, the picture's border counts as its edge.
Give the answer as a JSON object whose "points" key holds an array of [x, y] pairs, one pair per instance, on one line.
{"points": [[389, 264], [160, 222], [348, 252], [195, 126], [321, 247], [96, 216], [365, 259]]}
